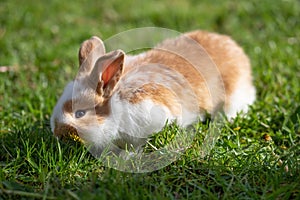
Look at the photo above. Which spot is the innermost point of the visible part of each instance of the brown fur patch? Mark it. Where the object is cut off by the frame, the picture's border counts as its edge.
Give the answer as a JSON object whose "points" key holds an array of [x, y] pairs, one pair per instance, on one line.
{"points": [[102, 111], [67, 107], [179, 65], [229, 57], [226, 54], [155, 92], [221, 61]]}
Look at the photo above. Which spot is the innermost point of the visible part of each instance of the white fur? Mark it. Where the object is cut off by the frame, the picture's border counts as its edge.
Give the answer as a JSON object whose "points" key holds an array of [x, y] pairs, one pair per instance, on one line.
{"points": [[58, 109], [240, 99], [130, 59], [143, 118]]}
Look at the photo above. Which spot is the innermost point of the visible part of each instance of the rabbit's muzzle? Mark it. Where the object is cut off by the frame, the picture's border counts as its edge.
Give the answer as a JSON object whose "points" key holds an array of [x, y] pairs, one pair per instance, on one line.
{"points": [[66, 131]]}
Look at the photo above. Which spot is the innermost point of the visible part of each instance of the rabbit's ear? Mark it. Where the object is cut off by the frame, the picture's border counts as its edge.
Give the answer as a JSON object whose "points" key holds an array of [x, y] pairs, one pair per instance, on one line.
{"points": [[107, 71], [89, 52]]}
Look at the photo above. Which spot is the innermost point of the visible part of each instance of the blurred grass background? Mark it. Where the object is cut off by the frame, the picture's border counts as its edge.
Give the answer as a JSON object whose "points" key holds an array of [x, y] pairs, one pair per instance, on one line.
{"points": [[39, 41]]}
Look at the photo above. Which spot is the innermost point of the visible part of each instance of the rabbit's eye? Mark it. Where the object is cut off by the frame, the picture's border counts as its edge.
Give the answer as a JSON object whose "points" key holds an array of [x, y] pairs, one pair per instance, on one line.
{"points": [[79, 113]]}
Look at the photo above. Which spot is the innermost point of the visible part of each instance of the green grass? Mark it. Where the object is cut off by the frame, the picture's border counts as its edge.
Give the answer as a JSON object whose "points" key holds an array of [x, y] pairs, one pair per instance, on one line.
{"points": [[39, 41]]}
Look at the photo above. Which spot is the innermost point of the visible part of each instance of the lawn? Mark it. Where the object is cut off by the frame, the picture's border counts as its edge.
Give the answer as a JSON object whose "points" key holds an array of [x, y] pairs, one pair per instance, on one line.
{"points": [[257, 157]]}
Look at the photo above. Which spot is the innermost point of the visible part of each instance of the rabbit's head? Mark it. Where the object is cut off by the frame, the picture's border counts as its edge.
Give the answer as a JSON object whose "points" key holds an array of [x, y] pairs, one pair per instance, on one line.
{"points": [[83, 111]]}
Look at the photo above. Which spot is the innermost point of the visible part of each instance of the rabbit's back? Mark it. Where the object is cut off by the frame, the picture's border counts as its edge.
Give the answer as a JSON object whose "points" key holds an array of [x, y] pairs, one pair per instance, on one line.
{"points": [[208, 65]]}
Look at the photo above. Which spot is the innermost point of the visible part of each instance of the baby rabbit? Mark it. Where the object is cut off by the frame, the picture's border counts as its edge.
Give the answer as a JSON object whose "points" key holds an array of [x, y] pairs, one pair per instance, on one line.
{"points": [[122, 99]]}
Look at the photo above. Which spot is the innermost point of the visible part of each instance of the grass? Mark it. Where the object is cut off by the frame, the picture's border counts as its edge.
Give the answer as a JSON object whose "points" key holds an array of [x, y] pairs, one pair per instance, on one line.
{"points": [[255, 158]]}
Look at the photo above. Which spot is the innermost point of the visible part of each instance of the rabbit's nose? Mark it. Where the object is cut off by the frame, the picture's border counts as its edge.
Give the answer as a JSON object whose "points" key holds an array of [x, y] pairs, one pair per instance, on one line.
{"points": [[65, 131]]}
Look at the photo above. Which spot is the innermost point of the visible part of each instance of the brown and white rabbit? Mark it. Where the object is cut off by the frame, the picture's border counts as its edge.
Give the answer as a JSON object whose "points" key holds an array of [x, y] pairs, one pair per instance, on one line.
{"points": [[123, 99]]}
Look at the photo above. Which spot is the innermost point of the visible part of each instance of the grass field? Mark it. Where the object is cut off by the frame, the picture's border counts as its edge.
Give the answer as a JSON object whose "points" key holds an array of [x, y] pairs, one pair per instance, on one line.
{"points": [[255, 158]]}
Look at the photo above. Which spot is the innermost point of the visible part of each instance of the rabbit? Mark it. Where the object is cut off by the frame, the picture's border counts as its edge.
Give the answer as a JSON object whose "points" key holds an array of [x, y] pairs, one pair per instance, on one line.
{"points": [[122, 99]]}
